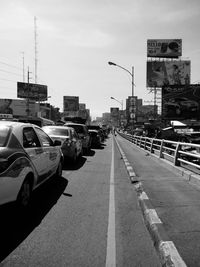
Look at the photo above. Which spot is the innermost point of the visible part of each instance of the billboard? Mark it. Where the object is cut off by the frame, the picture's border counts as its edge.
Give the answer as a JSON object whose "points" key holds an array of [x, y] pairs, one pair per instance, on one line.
{"points": [[165, 48], [82, 106], [161, 73], [71, 103], [36, 92], [18, 107], [146, 112], [181, 102]]}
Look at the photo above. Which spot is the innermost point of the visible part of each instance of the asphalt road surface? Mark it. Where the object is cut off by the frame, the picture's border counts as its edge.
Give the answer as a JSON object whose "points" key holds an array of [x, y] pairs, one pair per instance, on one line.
{"points": [[89, 217]]}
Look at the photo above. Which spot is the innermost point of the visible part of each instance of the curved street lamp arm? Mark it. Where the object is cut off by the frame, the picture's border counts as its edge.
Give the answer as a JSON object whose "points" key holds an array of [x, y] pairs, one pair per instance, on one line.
{"points": [[114, 64], [120, 102]]}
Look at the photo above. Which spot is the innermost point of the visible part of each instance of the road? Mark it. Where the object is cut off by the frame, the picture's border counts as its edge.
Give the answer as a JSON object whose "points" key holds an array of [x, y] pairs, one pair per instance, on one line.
{"points": [[89, 217], [92, 216]]}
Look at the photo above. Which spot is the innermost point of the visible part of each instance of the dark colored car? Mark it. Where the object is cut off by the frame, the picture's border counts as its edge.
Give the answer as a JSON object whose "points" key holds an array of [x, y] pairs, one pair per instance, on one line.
{"points": [[95, 138], [82, 131], [99, 129]]}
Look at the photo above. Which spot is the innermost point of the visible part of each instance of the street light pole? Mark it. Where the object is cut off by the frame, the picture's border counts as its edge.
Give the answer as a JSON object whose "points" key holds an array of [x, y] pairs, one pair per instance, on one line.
{"points": [[131, 73], [132, 81], [121, 113], [132, 87], [121, 102]]}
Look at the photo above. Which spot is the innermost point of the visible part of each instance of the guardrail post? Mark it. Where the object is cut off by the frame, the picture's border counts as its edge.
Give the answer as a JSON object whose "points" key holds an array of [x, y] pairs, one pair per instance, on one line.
{"points": [[140, 144], [161, 149], [176, 162], [151, 147], [145, 141]]}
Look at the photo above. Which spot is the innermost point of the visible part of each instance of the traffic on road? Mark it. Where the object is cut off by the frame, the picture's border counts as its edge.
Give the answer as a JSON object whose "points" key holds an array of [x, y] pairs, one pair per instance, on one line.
{"points": [[113, 197]]}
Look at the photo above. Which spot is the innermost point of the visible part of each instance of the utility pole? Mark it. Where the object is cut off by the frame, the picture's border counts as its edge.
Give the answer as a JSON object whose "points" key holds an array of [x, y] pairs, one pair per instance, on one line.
{"points": [[28, 98], [36, 51], [23, 66]]}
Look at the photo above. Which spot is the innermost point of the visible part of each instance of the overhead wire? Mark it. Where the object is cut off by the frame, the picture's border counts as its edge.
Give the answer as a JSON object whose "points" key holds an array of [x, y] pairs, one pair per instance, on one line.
{"points": [[10, 72], [12, 66]]}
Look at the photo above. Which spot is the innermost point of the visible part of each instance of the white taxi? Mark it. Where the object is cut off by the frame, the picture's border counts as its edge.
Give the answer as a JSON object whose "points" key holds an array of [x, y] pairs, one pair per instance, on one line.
{"points": [[28, 157]]}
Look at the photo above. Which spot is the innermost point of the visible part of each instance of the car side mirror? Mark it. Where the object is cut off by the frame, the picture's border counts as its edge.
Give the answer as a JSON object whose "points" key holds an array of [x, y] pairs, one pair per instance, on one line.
{"points": [[57, 143]]}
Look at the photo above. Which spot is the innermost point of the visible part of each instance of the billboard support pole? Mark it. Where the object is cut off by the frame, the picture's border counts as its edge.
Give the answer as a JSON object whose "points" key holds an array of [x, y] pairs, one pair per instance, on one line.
{"points": [[133, 119], [28, 95], [155, 92]]}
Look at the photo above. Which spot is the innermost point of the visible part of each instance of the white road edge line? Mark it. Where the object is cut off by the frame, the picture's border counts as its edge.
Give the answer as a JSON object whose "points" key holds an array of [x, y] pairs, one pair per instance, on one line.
{"points": [[111, 242]]}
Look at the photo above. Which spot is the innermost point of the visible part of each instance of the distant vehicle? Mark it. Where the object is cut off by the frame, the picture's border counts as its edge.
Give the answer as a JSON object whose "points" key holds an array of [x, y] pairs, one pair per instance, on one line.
{"points": [[28, 157], [71, 144], [95, 138], [99, 129], [83, 134]]}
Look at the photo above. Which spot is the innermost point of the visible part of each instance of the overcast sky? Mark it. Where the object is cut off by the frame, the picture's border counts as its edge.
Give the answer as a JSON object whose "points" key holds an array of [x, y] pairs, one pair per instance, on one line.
{"points": [[77, 38]]}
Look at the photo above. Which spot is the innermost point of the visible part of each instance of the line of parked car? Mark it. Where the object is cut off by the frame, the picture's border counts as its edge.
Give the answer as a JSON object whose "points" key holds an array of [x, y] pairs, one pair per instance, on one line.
{"points": [[30, 155]]}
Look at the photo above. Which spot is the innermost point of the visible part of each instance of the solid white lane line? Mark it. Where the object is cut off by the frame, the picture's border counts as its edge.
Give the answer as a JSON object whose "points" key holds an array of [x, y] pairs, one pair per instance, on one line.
{"points": [[111, 242]]}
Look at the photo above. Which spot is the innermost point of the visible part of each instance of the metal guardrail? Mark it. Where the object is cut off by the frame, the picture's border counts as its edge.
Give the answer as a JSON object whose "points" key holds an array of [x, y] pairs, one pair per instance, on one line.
{"points": [[182, 154]]}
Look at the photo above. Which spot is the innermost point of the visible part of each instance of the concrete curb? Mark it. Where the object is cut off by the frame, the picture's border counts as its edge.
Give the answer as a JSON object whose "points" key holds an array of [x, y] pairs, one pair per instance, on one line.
{"points": [[166, 249]]}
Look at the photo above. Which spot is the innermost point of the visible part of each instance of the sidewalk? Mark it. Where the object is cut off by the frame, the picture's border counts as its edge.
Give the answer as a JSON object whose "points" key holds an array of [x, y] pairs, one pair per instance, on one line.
{"points": [[170, 205]]}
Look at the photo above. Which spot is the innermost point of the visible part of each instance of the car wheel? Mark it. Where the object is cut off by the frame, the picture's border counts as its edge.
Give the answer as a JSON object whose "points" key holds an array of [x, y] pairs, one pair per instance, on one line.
{"points": [[59, 170], [24, 195], [81, 153], [74, 158], [178, 111]]}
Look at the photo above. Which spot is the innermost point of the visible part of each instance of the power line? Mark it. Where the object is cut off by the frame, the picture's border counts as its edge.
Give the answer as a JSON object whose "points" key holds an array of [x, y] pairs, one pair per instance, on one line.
{"points": [[8, 80], [10, 72], [5, 87], [12, 66]]}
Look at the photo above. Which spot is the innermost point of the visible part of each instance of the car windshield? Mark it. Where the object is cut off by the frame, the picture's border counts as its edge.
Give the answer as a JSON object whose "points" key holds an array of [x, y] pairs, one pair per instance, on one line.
{"points": [[78, 128], [57, 131], [94, 127], [4, 133]]}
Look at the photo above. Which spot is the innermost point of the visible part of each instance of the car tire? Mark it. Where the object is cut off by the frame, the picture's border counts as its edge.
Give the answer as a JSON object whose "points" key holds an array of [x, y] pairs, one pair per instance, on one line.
{"points": [[74, 158], [24, 195], [59, 170], [81, 153]]}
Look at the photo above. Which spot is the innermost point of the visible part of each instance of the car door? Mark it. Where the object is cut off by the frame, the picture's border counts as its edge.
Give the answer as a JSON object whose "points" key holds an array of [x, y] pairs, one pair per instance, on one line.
{"points": [[36, 153], [77, 142], [53, 153]]}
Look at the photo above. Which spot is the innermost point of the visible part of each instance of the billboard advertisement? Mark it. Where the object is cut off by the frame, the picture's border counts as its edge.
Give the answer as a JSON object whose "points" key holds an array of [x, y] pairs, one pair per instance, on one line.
{"points": [[18, 107], [82, 106], [165, 48], [161, 73], [146, 112], [36, 92], [71, 103], [181, 102]]}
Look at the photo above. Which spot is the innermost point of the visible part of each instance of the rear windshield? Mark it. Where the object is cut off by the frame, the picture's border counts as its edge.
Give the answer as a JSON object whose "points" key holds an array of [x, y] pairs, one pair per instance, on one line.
{"points": [[95, 127], [78, 128], [56, 131], [4, 134]]}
